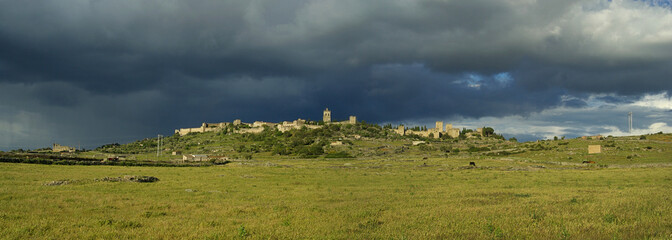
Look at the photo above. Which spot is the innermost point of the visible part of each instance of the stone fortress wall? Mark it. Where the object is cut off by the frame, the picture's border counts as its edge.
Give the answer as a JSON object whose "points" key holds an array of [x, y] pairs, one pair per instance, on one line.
{"points": [[258, 126], [437, 131], [205, 127]]}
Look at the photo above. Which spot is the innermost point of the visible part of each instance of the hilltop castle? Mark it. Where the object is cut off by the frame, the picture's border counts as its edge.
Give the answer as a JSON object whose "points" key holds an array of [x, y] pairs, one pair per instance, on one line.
{"points": [[259, 126], [436, 132]]}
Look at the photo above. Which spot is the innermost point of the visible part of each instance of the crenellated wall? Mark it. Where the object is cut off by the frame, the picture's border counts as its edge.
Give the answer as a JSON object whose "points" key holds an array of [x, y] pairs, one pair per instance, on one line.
{"points": [[437, 132], [258, 126]]}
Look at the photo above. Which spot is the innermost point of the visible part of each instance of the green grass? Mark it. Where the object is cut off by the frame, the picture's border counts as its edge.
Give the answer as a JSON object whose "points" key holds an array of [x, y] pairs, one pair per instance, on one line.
{"points": [[388, 198], [388, 190], [615, 151]]}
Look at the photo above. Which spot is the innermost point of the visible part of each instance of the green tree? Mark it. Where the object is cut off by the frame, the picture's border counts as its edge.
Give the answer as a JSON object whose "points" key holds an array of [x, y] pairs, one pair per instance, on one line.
{"points": [[488, 131]]}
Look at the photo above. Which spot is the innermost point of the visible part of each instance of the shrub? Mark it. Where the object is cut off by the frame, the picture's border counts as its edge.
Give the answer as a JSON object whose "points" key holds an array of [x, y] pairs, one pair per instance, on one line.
{"points": [[426, 148], [242, 232], [609, 218], [446, 148], [478, 149], [341, 154]]}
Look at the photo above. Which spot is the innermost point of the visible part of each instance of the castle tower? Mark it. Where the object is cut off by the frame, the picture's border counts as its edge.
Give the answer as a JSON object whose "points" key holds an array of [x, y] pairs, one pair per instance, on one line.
{"points": [[353, 120], [439, 126], [401, 130], [326, 116]]}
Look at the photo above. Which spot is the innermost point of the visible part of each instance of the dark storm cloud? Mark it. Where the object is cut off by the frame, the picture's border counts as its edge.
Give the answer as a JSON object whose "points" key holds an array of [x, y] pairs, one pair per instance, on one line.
{"points": [[626, 80], [138, 43], [169, 64], [574, 103]]}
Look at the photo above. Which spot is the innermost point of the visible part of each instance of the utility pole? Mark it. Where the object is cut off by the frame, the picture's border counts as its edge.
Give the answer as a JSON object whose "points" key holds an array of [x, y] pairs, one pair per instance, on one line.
{"points": [[630, 122], [158, 145]]}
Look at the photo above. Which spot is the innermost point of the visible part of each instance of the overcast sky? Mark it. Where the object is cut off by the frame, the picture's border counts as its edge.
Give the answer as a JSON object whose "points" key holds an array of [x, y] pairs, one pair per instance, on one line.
{"points": [[91, 72]]}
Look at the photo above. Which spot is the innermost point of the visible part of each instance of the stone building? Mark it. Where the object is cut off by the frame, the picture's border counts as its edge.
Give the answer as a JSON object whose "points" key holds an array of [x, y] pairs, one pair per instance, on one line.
{"points": [[435, 132], [262, 124], [452, 132], [60, 148], [326, 116], [296, 124], [401, 130], [439, 126], [195, 157]]}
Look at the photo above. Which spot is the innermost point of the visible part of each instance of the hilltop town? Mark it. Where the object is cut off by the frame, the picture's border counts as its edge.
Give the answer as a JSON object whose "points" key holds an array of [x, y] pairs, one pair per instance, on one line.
{"points": [[259, 126], [315, 138], [327, 138], [300, 139]]}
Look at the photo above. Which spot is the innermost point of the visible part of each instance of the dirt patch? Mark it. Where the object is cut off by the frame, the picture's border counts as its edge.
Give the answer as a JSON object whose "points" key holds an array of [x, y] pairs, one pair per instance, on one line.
{"points": [[58, 183], [129, 178]]}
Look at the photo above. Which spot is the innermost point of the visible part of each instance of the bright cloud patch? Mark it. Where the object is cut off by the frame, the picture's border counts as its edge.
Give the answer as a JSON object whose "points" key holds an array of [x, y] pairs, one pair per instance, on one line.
{"points": [[653, 128], [660, 101]]}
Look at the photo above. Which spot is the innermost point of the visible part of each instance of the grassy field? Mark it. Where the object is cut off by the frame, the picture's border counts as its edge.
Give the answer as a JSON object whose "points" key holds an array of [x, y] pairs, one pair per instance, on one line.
{"points": [[405, 197]]}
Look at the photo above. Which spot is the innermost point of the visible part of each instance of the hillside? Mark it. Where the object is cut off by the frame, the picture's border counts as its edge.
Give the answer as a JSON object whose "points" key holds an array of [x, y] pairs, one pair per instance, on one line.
{"points": [[357, 140], [370, 141]]}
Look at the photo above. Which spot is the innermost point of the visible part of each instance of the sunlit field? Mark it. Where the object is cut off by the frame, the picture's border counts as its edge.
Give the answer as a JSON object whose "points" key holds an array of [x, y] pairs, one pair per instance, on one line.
{"points": [[381, 198]]}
